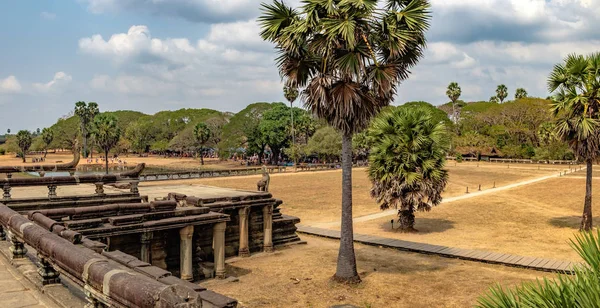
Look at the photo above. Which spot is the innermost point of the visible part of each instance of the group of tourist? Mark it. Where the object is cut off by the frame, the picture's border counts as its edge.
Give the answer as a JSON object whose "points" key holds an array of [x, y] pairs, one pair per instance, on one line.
{"points": [[38, 159], [113, 160]]}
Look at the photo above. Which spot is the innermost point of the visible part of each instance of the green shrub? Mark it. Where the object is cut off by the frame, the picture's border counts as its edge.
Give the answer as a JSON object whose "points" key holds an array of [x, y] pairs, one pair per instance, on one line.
{"points": [[2, 151], [459, 158]]}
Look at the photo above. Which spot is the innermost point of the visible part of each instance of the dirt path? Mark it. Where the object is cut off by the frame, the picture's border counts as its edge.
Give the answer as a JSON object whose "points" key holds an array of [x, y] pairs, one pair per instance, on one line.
{"points": [[392, 212]]}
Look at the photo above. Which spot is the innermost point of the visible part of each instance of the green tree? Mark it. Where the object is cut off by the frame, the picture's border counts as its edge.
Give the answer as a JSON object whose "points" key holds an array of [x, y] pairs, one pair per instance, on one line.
{"points": [[24, 140], [140, 134], [202, 135], [349, 56], [86, 114], [8, 131], [576, 87], [494, 99], [579, 290], [406, 164], [242, 131], [325, 143], [106, 132], [501, 93], [274, 129], [47, 138], [453, 92], [520, 93]]}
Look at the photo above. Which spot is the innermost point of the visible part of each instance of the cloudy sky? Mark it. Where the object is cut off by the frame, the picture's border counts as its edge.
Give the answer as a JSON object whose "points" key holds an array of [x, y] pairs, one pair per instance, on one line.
{"points": [[151, 55]]}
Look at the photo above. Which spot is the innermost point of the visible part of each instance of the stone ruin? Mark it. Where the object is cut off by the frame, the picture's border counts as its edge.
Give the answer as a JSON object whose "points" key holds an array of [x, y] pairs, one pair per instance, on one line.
{"points": [[121, 249]]}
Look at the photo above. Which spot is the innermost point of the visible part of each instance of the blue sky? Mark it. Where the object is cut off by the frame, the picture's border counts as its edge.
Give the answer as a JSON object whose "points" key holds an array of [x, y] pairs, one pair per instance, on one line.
{"points": [[151, 55]]}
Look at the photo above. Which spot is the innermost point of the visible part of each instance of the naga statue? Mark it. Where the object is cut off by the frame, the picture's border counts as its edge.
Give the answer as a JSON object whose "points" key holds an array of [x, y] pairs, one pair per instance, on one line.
{"points": [[263, 184]]}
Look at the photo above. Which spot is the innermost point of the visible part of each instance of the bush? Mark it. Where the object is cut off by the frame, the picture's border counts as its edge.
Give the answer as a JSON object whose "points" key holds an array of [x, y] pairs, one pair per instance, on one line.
{"points": [[2, 151], [459, 158]]}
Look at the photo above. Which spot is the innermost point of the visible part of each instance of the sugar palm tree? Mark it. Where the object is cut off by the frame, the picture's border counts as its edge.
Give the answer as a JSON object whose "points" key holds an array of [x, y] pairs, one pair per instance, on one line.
{"points": [[406, 164], [86, 114], [576, 105], [579, 290], [291, 94], [47, 138], [453, 92], [520, 93], [202, 135], [501, 93], [24, 140], [349, 57], [106, 133]]}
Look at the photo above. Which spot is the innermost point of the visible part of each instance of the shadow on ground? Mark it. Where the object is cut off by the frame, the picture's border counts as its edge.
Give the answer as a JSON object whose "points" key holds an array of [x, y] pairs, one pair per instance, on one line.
{"points": [[423, 225], [572, 222]]}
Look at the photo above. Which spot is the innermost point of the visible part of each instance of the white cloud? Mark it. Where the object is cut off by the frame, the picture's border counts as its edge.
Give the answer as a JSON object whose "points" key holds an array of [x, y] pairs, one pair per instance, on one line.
{"points": [[10, 84], [58, 82], [48, 15]]}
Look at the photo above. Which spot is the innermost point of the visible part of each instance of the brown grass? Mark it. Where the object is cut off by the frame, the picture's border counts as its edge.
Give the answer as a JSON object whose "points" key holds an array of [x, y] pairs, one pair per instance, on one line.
{"points": [[390, 278]]}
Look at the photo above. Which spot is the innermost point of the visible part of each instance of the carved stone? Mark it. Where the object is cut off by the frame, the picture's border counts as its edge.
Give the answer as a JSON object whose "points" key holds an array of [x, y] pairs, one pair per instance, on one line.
{"points": [[244, 250], [268, 228], [219, 249], [146, 250], [47, 272], [99, 188], [51, 191], [263, 183], [6, 188], [17, 249], [134, 187], [2, 234], [185, 253]]}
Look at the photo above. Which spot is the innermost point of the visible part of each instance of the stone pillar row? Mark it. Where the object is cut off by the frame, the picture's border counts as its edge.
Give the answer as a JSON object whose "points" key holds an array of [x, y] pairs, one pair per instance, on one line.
{"points": [[219, 248], [268, 228], [244, 250], [185, 253]]}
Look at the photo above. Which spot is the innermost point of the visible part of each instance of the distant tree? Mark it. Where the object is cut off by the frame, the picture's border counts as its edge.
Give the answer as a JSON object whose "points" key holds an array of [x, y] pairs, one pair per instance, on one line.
{"points": [[140, 134], [274, 129], [47, 138], [242, 131], [406, 164], [494, 99], [501, 93], [325, 143], [37, 131], [86, 114], [349, 56], [24, 140], [520, 93], [577, 109], [202, 135], [291, 93], [453, 92], [106, 132], [8, 131]]}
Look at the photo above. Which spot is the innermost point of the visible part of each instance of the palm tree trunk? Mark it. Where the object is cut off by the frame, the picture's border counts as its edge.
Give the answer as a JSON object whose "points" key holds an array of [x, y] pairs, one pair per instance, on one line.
{"points": [[202, 157], [106, 160], [346, 263], [406, 220], [586, 221], [46, 153], [23, 156]]}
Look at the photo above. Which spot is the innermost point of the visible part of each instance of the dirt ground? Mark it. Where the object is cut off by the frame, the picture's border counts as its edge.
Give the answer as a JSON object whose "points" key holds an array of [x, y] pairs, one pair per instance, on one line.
{"points": [[299, 277]]}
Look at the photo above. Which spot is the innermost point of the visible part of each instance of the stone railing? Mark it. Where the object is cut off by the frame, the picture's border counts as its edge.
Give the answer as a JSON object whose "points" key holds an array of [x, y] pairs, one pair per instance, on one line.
{"points": [[109, 279], [531, 161], [53, 182]]}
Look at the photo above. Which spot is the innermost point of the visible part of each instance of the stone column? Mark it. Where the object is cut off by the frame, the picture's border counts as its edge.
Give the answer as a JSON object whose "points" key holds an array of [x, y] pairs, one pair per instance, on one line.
{"points": [[244, 249], [51, 191], [185, 253], [17, 249], [268, 228], [47, 272], [146, 250], [134, 187], [6, 188], [99, 188], [219, 248]]}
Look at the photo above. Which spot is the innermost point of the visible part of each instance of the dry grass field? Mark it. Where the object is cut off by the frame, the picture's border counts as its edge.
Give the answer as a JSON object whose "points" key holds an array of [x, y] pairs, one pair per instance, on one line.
{"points": [[299, 277]]}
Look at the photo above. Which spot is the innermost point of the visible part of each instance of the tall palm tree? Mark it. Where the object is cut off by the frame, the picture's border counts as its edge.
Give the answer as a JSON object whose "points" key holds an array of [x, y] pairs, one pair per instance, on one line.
{"points": [[453, 92], [86, 114], [24, 140], [106, 133], [576, 105], [406, 164], [47, 138], [501, 93], [520, 93], [349, 56], [291, 94], [202, 135]]}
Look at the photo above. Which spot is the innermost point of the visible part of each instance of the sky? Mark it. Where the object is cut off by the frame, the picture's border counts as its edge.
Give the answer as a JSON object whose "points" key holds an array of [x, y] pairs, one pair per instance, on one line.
{"points": [[152, 55]]}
